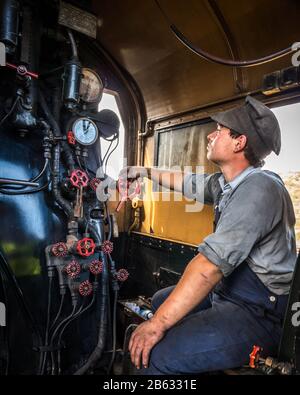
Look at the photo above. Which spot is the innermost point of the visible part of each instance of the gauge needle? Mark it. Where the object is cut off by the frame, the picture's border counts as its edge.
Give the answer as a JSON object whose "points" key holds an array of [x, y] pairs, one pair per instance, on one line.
{"points": [[87, 127]]}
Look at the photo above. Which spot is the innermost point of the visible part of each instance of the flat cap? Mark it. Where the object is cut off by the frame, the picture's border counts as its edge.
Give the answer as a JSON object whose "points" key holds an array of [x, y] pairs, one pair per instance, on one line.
{"points": [[257, 122]]}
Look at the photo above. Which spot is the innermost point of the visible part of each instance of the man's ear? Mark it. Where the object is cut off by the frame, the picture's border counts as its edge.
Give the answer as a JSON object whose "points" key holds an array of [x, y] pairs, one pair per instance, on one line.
{"points": [[240, 143]]}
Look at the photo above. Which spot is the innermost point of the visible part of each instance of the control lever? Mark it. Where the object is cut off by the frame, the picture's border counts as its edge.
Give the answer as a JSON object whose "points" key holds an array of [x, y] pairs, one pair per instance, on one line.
{"points": [[78, 209], [22, 70], [124, 187]]}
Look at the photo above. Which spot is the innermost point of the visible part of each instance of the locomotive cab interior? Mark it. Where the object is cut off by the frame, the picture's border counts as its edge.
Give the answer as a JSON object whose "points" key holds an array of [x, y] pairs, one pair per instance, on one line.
{"points": [[81, 252]]}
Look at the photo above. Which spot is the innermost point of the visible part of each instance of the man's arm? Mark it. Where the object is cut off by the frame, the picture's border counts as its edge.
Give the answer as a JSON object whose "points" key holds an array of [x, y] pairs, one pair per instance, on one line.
{"points": [[198, 279], [171, 179]]}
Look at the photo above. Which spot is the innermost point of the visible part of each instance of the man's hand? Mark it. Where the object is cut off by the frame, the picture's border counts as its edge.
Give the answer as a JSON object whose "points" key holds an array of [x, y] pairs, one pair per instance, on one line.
{"points": [[143, 340], [133, 172], [171, 179], [199, 278]]}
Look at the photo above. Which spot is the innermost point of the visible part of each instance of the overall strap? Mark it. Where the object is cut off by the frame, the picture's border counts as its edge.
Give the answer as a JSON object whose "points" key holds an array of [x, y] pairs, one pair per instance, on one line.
{"points": [[217, 212]]}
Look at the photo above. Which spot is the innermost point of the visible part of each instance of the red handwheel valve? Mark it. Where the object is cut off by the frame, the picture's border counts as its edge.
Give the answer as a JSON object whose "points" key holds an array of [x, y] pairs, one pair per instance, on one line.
{"points": [[85, 288], [79, 178], [85, 247]]}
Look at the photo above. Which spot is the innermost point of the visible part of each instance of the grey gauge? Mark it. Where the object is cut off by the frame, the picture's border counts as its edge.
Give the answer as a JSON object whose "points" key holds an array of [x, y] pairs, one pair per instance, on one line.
{"points": [[85, 131]]}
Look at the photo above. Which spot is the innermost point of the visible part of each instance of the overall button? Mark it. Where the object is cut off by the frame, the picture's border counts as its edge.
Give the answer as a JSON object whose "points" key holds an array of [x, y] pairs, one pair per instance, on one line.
{"points": [[272, 299]]}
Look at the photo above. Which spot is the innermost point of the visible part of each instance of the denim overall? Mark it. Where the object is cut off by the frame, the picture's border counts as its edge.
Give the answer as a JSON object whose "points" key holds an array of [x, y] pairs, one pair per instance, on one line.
{"points": [[221, 332]]}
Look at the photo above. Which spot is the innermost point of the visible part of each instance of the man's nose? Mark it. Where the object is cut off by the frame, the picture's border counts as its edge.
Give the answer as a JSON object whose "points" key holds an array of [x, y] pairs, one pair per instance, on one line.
{"points": [[211, 136]]}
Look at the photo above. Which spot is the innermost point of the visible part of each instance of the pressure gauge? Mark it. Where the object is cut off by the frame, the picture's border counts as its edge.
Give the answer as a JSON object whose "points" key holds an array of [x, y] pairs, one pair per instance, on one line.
{"points": [[91, 86], [85, 131]]}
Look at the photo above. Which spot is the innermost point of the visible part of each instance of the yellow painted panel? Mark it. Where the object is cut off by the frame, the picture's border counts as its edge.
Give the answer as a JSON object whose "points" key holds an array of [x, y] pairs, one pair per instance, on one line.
{"points": [[171, 219]]}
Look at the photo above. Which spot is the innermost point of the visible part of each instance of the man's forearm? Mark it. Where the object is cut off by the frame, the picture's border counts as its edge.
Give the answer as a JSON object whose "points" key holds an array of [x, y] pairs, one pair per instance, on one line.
{"points": [[171, 179], [198, 279]]}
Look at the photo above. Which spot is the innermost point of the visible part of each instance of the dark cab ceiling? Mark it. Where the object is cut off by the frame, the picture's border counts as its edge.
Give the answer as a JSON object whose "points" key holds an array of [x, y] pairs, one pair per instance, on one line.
{"points": [[171, 78]]}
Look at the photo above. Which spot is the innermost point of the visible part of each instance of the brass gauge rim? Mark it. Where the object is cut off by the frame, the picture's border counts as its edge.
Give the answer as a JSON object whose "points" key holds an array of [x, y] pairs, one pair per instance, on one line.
{"points": [[101, 86]]}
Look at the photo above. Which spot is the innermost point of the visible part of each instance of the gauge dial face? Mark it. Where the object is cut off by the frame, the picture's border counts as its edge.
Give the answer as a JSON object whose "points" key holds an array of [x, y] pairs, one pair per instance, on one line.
{"points": [[85, 131], [91, 86]]}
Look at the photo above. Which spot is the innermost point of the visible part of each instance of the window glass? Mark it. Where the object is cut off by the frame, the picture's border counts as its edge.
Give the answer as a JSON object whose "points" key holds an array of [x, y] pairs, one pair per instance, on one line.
{"points": [[287, 164], [184, 146]]}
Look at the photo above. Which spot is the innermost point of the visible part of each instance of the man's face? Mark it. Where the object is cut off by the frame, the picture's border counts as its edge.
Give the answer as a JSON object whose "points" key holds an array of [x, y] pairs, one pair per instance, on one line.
{"points": [[220, 147]]}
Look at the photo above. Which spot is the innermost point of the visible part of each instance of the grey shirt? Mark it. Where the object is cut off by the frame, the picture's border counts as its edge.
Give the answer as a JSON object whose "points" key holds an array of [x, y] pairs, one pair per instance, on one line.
{"points": [[256, 224]]}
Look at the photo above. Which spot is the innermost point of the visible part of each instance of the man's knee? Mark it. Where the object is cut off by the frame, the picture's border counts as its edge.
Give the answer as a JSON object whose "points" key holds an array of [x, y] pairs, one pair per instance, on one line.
{"points": [[158, 365]]}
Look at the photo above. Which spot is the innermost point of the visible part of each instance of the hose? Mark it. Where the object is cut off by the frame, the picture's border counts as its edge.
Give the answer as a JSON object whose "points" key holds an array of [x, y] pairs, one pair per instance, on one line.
{"points": [[73, 45], [42, 368], [44, 353], [26, 192], [57, 132], [18, 182], [109, 155], [125, 344], [63, 203], [215, 59], [59, 312], [55, 333], [31, 182], [10, 111], [227, 62], [79, 313]]}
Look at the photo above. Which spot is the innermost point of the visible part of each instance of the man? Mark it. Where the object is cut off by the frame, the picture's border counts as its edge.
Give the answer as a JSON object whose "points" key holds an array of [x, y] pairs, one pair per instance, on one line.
{"points": [[233, 294]]}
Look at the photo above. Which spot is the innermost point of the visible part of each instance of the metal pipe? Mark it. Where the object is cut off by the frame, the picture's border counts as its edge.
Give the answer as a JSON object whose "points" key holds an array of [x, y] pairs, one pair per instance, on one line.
{"points": [[73, 44], [227, 62], [63, 203], [18, 182]]}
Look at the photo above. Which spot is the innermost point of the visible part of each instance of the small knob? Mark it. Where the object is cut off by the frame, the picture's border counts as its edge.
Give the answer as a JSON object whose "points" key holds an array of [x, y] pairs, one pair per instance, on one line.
{"points": [[59, 249], [96, 267], [72, 269], [107, 247], [85, 288], [71, 138], [122, 275], [94, 183]]}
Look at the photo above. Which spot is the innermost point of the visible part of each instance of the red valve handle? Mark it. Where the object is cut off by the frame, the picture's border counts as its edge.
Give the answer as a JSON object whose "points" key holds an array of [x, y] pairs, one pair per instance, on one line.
{"points": [[71, 138], [85, 247], [22, 70], [107, 247], [79, 178], [123, 188], [254, 356], [96, 267], [94, 183], [59, 249], [72, 269], [85, 288], [122, 275]]}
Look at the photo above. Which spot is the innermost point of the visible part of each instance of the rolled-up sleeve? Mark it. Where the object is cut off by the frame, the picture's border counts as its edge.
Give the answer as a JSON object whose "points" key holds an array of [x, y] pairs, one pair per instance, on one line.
{"points": [[253, 210], [201, 187]]}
